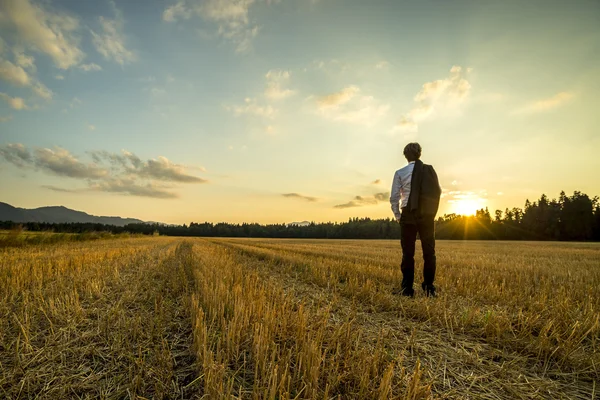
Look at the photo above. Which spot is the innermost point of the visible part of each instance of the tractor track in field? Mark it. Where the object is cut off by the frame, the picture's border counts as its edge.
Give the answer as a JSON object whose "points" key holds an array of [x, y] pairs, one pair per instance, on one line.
{"points": [[132, 339], [458, 364]]}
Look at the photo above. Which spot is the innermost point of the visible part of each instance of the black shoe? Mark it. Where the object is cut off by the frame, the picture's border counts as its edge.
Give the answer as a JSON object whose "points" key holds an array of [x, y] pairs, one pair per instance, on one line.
{"points": [[429, 290], [407, 292]]}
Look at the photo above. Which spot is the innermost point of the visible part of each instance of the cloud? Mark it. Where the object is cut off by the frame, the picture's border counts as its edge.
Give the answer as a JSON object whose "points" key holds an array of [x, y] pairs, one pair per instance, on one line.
{"points": [[276, 82], [123, 173], [15, 103], [337, 98], [72, 104], [91, 127], [6, 118], [332, 66], [360, 201], [230, 16], [17, 154], [59, 77], [43, 30], [251, 107], [17, 76], [41, 90], [177, 11], [111, 41], [132, 188], [13, 74], [57, 161], [382, 65], [90, 67], [299, 196], [61, 162], [161, 169], [547, 104], [165, 170], [385, 196], [59, 189], [24, 60], [348, 105], [449, 92]]}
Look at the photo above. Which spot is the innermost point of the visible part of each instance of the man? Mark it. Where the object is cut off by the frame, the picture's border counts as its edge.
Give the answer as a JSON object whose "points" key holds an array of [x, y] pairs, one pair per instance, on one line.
{"points": [[416, 190]]}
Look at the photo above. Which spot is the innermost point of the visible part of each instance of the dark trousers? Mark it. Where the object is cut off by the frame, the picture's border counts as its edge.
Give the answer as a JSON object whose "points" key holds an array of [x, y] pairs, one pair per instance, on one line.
{"points": [[410, 225]]}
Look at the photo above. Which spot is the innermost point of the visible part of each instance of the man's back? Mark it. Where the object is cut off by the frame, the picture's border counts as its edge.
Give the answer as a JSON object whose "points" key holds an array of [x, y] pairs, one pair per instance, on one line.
{"points": [[416, 190]]}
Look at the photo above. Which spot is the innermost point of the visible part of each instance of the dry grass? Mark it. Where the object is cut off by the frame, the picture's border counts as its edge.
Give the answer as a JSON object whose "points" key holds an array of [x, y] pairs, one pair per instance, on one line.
{"points": [[20, 238], [285, 319]]}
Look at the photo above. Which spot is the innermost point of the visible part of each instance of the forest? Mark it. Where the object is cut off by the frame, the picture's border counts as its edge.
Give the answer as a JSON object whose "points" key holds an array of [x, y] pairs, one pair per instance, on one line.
{"points": [[567, 218]]}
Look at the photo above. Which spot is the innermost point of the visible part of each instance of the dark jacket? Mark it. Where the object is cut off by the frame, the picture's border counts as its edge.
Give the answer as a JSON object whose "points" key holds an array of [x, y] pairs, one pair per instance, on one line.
{"points": [[425, 191]]}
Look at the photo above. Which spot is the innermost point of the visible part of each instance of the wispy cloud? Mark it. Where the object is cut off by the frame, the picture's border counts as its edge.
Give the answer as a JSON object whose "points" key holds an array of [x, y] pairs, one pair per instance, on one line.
{"points": [[90, 67], [348, 105], [132, 188], [17, 76], [24, 60], [449, 92], [361, 201], [546, 104], [263, 104], [59, 189], [160, 169], [13, 74], [17, 154], [251, 107], [110, 42], [123, 173], [44, 30], [230, 17], [382, 65], [277, 80], [338, 98], [61, 162], [300, 197], [16, 103], [331, 66]]}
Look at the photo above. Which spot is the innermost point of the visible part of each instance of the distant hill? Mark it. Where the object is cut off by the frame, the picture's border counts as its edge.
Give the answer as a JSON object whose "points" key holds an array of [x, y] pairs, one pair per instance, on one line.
{"points": [[58, 214], [303, 223]]}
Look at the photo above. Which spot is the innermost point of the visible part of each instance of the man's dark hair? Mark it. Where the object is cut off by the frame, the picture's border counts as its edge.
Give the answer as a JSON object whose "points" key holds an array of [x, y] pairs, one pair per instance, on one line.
{"points": [[412, 151]]}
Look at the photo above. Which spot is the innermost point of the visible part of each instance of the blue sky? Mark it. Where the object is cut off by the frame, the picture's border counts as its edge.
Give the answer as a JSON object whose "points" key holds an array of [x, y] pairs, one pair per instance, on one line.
{"points": [[277, 111]]}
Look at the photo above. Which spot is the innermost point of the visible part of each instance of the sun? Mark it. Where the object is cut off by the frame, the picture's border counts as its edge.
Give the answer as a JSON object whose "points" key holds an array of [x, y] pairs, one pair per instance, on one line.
{"points": [[466, 206]]}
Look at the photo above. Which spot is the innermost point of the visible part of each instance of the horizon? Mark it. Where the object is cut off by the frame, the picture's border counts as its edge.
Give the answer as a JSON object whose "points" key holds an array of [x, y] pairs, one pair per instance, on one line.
{"points": [[593, 198], [285, 111]]}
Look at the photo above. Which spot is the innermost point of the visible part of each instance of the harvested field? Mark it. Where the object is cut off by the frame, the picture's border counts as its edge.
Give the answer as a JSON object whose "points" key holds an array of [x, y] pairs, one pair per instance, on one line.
{"points": [[296, 319]]}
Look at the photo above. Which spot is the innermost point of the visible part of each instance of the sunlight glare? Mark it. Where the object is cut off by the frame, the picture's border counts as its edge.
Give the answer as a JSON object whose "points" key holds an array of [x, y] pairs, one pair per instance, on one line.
{"points": [[466, 206]]}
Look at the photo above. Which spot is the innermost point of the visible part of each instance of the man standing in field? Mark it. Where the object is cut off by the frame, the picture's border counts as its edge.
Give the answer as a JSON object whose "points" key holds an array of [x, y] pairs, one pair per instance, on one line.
{"points": [[416, 190]]}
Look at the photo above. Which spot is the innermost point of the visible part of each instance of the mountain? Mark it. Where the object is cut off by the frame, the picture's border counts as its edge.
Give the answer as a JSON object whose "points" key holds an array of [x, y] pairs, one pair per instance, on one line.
{"points": [[58, 214], [303, 223]]}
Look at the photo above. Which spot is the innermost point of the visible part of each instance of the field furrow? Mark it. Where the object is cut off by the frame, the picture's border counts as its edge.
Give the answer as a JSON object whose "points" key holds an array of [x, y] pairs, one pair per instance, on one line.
{"points": [[170, 318], [372, 284], [95, 321]]}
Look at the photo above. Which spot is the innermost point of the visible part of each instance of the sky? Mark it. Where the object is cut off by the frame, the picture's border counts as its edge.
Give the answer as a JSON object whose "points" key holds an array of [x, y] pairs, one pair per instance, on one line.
{"points": [[278, 111]]}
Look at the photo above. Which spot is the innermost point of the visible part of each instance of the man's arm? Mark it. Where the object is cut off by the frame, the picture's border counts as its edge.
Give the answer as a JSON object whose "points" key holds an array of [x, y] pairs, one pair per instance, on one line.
{"points": [[395, 196]]}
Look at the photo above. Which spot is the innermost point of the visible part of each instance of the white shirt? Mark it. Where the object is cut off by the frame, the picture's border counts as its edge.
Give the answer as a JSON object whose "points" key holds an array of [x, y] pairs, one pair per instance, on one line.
{"points": [[401, 188]]}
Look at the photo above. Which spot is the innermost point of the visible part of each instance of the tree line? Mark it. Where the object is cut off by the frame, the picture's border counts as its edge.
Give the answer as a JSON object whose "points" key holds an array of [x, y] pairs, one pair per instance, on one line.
{"points": [[568, 218]]}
